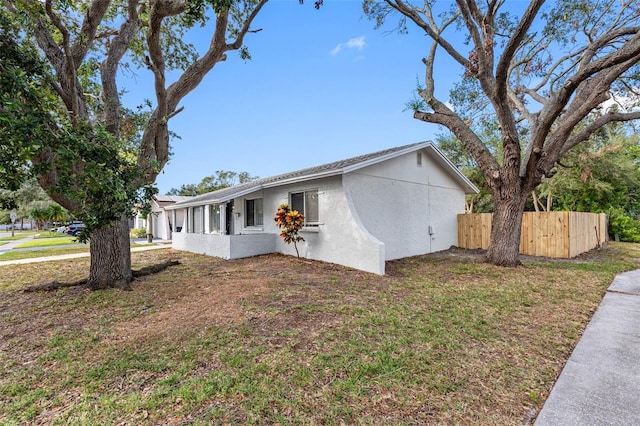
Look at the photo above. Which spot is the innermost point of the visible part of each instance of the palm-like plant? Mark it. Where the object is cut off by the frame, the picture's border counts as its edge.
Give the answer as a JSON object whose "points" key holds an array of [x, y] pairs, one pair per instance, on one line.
{"points": [[56, 213], [39, 214], [291, 222]]}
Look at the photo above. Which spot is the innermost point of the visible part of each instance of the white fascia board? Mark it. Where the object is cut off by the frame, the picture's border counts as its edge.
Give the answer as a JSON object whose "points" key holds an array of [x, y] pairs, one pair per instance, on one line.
{"points": [[444, 161], [470, 188], [252, 189], [304, 178], [389, 156], [190, 204], [217, 200], [238, 194]]}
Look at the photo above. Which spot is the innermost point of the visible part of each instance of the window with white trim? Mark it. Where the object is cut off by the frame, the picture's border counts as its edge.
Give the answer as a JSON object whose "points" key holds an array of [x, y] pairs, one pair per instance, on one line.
{"points": [[253, 212], [306, 202], [214, 218]]}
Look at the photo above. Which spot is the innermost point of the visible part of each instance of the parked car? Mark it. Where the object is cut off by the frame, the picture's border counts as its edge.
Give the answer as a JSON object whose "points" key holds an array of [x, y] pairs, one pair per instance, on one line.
{"points": [[73, 228], [57, 228]]}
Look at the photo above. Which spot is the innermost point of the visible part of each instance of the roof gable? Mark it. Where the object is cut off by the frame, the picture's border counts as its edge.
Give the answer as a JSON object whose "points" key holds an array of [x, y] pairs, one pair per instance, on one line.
{"points": [[326, 170]]}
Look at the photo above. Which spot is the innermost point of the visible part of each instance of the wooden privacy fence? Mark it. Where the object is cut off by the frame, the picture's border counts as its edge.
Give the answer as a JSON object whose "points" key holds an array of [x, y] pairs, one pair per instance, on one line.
{"points": [[550, 234]]}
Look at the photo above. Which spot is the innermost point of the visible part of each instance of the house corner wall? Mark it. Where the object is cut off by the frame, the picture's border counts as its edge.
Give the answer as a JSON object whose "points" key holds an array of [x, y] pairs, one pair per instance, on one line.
{"points": [[410, 207], [340, 238]]}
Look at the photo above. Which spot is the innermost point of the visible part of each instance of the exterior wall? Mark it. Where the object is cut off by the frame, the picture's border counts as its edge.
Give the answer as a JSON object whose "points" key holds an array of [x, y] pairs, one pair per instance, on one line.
{"points": [[160, 225], [340, 238], [225, 246], [252, 245], [412, 209], [445, 205], [139, 222], [385, 211], [209, 244], [161, 222]]}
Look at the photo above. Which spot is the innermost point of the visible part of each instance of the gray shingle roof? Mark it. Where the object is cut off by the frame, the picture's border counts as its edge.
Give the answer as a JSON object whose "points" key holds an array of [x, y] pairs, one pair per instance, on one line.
{"points": [[329, 169]]}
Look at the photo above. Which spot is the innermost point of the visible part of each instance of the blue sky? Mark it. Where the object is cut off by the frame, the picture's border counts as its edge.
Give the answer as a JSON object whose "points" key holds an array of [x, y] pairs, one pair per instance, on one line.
{"points": [[322, 85]]}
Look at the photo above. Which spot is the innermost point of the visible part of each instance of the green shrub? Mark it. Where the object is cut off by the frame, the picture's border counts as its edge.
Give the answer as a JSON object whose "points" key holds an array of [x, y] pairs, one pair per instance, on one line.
{"points": [[624, 226], [138, 233]]}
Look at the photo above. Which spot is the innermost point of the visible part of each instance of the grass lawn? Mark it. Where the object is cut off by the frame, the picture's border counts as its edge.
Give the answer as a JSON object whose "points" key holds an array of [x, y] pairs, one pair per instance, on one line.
{"points": [[18, 235], [442, 339], [54, 251], [30, 254], [49, 234], [45, 242]]}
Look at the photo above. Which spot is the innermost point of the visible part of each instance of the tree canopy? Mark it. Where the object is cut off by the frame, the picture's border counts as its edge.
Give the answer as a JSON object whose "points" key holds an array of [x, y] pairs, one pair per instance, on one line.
{"points": [[543, 72], [602, 175], [25, 104], [91, 154]]}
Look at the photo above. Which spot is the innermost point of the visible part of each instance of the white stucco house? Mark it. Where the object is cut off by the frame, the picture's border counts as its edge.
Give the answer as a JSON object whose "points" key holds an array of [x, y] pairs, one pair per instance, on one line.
{"points": [[161, 221], [359, 212]]}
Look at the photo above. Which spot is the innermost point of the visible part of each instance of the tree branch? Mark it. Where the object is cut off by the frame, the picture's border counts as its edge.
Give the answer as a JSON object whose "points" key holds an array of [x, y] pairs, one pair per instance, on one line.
{"points": [[155, 145], [432, 32], [427, 93], [57, 22], [109, 67], [546, 79], [500, 98], [67, 74], [480, 69], [611, 65], [594, 126], [589, 95], [446, 117], [95, 14], [502, 68], [602, 42]]}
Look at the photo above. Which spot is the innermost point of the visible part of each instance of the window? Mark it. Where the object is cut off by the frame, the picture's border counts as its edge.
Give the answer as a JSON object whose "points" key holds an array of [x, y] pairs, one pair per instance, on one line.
{"points": [[198, 220], [306, 203], [214, 218], [253, 212], [419, 158]]}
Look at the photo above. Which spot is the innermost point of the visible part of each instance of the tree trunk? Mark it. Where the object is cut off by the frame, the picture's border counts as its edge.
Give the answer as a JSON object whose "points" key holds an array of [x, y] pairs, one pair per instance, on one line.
{"points": [[111, 257], [505, 230]]}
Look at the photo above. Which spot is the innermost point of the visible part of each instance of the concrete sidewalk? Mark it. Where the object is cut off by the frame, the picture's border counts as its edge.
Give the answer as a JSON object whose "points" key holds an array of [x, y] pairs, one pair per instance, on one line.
{"points": [[13, 243], [158, 244], [600, 384], [74, 256]]}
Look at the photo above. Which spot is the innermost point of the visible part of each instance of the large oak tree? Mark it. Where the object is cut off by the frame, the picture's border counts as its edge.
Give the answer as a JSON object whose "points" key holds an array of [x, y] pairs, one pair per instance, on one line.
{"points": [[103, 153], [542, 71]]}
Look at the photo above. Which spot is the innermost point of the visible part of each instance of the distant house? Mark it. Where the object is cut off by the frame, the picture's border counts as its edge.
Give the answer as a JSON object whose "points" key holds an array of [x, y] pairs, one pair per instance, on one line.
{"points": [[359, 212], [162, 222]]}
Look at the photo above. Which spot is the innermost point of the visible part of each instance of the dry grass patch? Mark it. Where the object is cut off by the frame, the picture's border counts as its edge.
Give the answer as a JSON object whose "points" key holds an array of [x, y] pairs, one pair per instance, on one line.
{"points": [[442, 339]]}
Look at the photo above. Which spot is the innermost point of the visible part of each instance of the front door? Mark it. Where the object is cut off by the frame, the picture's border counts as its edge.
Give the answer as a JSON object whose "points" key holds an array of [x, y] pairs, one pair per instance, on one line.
{"points": [[229, 217]]}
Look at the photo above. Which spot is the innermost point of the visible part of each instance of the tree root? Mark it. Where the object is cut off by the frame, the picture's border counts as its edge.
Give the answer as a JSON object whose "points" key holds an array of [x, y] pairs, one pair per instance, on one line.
{"points": [[55, 285], [154, 269]]}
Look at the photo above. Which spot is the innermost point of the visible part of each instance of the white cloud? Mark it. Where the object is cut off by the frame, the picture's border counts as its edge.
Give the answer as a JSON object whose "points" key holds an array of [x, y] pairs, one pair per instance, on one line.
{"points": [[354, 43]]}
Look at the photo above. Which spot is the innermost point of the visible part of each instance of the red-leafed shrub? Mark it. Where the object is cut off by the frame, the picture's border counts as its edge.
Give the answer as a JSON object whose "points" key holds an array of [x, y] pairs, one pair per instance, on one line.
{"points": [[290, 221]]}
